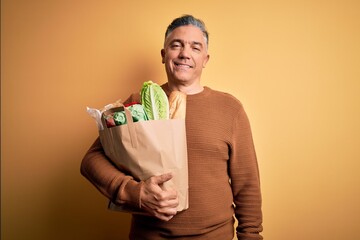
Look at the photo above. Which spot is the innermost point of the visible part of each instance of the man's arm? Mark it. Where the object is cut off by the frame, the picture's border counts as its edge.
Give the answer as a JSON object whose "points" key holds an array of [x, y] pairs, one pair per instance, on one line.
{"points": [[245, 180], [114, 184], [123, 189]]}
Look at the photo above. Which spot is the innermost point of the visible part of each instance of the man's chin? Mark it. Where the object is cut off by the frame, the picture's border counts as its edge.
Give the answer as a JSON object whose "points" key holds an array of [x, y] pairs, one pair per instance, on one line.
{"points": [[183, 76]]}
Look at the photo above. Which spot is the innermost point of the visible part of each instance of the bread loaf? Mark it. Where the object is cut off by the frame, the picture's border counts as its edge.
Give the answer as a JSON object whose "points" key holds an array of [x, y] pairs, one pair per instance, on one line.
{"points": [[177, 102]]}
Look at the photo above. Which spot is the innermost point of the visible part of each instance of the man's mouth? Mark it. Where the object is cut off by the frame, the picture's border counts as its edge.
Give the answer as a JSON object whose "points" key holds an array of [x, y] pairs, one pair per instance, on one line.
{"points": [[182, 65]]}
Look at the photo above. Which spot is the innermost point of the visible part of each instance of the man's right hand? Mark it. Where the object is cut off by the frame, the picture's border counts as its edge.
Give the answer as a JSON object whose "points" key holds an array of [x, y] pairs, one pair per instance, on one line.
{"points": [[157, 201]]}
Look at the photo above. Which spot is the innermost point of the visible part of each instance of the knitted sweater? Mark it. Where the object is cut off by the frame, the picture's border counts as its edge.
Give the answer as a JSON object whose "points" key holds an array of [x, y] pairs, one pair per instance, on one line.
{"points": [[223, 175]]}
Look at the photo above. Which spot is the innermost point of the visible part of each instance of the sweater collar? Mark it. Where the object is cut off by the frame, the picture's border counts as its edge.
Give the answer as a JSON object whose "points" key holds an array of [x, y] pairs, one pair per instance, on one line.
{"points": [[205, 92]]}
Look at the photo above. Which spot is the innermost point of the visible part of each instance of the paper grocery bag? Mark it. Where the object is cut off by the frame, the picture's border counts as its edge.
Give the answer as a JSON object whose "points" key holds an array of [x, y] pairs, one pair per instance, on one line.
{"points": [[148, 148]]}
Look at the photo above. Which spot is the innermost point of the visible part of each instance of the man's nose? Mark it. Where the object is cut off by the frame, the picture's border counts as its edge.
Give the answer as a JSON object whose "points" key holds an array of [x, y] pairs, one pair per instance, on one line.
{"points": [[185, 52]]}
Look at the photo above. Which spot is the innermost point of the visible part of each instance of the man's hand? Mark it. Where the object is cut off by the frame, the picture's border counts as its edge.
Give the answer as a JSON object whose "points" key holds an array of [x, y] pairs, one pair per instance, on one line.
{"points": [[157, 201]]}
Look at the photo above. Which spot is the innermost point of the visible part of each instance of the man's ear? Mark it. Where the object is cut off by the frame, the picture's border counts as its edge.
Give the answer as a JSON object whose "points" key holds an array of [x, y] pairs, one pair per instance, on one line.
{"points": [[163, 55], [206, 60]]}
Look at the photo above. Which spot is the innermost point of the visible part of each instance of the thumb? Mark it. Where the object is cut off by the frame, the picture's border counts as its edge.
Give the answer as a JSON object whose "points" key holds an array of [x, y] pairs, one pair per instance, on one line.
{"points": [[162, 178]]}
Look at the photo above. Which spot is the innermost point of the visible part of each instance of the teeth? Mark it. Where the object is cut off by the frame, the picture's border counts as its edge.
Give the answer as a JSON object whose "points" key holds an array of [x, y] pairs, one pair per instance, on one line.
{"points": [[182, 65]]}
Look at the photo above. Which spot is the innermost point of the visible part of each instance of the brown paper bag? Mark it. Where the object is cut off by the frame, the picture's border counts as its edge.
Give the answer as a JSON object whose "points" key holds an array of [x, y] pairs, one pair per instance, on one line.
{"points": [[148, 148]]}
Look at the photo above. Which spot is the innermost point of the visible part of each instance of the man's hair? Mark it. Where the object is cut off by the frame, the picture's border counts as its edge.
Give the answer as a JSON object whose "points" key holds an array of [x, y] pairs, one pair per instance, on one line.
{"points": [[188, 20]]}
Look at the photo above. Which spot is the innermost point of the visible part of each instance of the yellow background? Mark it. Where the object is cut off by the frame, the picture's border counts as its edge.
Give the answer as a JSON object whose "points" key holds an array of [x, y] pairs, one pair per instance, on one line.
{"points": [[295, 65]]}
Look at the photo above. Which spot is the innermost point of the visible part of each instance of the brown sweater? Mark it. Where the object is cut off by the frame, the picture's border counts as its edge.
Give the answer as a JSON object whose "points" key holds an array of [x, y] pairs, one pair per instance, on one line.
{"points": [[223, 175]]}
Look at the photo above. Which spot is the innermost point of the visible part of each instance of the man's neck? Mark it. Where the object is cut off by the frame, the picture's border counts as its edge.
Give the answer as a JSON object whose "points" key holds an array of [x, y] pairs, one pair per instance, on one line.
{"points": [[188, 89]]}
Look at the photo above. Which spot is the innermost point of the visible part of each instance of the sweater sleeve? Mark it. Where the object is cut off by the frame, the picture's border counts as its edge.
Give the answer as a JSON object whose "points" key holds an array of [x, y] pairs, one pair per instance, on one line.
{"points": [[114, 184], [245, 180]]}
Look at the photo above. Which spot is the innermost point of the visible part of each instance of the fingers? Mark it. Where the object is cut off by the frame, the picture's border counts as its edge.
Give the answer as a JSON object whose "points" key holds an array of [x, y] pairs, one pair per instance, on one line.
{"points": [[159, 202], [165, 214], [165, 195], [162, 178], [163, 205], [164, 217]]}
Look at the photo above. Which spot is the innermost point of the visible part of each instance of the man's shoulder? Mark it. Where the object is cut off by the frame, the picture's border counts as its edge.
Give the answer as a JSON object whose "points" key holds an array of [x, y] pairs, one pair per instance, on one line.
{"points": [[224, 96]]}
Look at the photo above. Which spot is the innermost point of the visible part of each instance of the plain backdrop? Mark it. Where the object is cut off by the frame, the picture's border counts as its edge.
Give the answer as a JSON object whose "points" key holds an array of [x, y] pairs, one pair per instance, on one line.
{"points": [[295, 65]]}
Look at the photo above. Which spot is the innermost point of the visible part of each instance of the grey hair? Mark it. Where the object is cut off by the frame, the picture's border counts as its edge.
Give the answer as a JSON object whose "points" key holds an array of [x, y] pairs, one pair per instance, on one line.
{"points": [[188, 20]]}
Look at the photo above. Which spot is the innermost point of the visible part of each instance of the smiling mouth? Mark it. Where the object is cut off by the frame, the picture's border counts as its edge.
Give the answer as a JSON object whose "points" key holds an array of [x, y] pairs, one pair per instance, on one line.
{"points": [[182, 65]]}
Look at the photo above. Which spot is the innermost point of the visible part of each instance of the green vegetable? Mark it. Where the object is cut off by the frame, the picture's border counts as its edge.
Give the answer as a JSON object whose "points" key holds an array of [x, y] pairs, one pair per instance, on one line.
{"points": [[119, 118], [154, 101], [138, 113]]}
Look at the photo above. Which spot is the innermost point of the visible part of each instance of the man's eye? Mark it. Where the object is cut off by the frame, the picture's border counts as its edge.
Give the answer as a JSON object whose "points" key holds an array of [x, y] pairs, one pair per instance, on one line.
{"points": [[176, 45]]}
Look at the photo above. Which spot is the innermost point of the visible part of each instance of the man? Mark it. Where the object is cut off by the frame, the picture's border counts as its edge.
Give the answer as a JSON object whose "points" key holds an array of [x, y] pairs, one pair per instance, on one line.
{"points": [[223, 171]]}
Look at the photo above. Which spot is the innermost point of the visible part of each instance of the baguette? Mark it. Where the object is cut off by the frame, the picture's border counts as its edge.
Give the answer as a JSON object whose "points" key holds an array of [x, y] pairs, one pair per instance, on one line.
{"points": [[177, 102]]}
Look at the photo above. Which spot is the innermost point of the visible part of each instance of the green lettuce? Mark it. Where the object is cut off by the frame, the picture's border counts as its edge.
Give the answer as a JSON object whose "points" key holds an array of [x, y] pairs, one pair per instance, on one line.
{"points": [[154, 101]]}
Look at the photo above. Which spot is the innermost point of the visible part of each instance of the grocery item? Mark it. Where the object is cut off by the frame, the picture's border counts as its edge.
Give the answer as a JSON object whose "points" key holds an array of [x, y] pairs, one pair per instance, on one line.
{"points": [[116, 116], [137, 112], [154, 101], [119, 118], [177, 102]]}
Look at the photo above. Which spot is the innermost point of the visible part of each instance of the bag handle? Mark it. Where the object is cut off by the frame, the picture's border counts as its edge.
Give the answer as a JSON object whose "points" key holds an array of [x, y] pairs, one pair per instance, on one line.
{"points": [[129, 123]]}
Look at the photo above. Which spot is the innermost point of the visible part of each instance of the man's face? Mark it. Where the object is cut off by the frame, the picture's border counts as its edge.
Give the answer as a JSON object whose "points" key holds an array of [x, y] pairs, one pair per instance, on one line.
{"points": [[185, 55]]}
